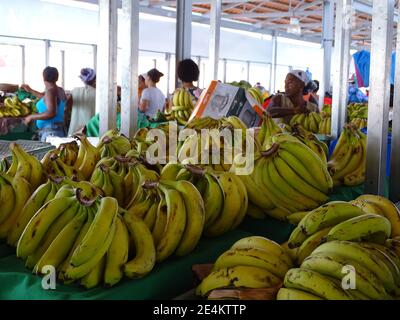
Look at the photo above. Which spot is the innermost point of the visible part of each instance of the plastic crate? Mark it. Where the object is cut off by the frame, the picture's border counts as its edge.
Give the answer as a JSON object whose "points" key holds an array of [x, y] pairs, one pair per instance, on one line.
{"points": [[36, 148]]}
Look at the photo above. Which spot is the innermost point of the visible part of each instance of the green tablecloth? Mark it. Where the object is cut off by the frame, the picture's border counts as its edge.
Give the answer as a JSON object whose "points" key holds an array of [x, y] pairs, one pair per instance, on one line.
{"points": [[166, 281]]}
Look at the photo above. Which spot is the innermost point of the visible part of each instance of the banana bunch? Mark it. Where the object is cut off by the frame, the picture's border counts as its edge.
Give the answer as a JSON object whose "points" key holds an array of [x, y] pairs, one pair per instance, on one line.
{"points": [[357, 110], [14, 108], [85, 240], [325, 126], [339, 220], [257, 95], [66, 152], [287, 178], [268, 129], [348, 161], [310, 121], [359, 123], [174, 213], [253, 262], [203, 123], [25, 165], [182, 107], [311, 141], [327, 110], [87, 158], [113, 143], [321, 274]]}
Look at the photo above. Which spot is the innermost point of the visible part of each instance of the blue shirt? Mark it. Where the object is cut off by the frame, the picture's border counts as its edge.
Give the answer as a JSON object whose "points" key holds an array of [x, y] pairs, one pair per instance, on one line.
{"points": [[41, 107]]}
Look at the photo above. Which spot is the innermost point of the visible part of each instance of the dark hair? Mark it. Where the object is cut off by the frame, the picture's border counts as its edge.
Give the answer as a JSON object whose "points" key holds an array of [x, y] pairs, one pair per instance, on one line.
{"points": [[155, 75], [141, 78], [50, 74], [310, 87], [317, 86], [188, 71]]}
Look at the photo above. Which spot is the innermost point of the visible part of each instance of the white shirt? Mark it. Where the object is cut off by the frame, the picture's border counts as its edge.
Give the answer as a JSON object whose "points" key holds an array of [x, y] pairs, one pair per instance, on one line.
{"points": [[83, 108], [156, 100]]}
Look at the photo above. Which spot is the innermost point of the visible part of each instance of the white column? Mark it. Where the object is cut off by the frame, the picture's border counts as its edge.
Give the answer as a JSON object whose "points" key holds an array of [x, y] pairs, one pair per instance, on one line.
{"points": [[183, 33], [130, 63], [168, 59], [274, 63], [378, 110], [395, 153], [47, 52], [327, 45], [106, 84], [215, 36], [62, 52], [341, 65], [224, 74], [248, 71], [95, 57], [23, 64]]}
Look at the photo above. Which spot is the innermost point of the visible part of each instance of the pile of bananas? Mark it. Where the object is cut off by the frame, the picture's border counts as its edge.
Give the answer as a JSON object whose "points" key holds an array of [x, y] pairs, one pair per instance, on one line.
{"points": [[70, 161], [357, 110], [348, 161], [232, 122], [257, 95], [337, 234], [86, 240], [224, 195], [15, 108], [182, 107], [310, 121], [359, 123], [253, 262], [325, 125], [287, 178], [113, 143], [327, 109]]}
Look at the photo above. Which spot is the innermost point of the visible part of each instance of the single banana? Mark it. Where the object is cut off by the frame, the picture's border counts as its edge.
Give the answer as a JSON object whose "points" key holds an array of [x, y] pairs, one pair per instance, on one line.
{"points": [[176, 223], [360, 228], [161, 221], [117, 254], [151, 215], [145, 250], [213, 199], [7, 199], [95, 276], [296, 217], [97, 233], [295, 294], [314, 283], [309, 245]]}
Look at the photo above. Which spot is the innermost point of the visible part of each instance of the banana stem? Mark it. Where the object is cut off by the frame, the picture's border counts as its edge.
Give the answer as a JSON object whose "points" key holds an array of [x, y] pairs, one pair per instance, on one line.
{"points": [[150, 185], [104, 168], [55, 179], [83, 199], [271, 151], [195, 170]]}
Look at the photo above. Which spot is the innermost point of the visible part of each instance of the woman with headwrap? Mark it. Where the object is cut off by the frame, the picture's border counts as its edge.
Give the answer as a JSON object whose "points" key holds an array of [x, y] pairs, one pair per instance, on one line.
{"points": [[82, 101]]}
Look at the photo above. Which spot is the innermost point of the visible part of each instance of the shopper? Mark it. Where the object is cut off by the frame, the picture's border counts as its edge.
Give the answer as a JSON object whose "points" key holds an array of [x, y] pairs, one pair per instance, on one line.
{"points": [[284, 106], [152, 100], [82, 101], [50, 116], [188, 72]]}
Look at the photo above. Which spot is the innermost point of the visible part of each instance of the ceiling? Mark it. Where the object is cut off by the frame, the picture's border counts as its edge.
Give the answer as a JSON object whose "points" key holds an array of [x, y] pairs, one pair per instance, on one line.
{"points": [[272, 16]]}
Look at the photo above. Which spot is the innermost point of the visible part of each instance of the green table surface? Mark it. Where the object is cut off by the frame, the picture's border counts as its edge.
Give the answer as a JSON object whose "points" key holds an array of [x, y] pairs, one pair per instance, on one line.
{"points": [[166, 281]]}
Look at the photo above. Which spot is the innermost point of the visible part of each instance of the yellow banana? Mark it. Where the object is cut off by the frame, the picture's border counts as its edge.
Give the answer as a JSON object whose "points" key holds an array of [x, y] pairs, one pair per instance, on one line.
{"points": [[95, 276], [7, 199], [309, 245]]}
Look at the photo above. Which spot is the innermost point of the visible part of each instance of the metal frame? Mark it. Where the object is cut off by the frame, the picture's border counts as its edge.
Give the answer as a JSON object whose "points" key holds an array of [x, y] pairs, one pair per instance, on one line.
{"points": [[327, 45], [215, 37], [183, 33], [395, 152], [106, 91], [23, 64], [378, 111], [341, 65], [274, 65], [46, 52], [62, 53], [130, 66]]}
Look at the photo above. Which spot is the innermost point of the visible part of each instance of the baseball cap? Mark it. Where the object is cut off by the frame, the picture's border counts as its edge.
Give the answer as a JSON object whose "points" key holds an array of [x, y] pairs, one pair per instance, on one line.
{"points": [[301, 75]]}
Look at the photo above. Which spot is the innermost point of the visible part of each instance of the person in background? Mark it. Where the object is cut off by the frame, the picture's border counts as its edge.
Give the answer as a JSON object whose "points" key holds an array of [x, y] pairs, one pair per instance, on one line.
{"points": [[50, 116], [355, 94], [142, 84], [188, 72], [311, 93], [284, 106], [152, 99], [82, 101]]}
